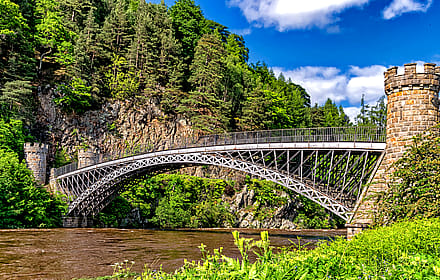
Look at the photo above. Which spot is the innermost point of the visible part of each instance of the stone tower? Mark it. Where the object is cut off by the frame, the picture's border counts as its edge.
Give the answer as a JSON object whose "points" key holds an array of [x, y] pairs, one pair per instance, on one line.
{"points": [[412, 108], [86, 158], [35, 156]]}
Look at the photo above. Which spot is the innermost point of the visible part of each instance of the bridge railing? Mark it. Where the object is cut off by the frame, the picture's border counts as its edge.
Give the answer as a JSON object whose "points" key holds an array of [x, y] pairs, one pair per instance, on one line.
{"points": [[298, 135]]}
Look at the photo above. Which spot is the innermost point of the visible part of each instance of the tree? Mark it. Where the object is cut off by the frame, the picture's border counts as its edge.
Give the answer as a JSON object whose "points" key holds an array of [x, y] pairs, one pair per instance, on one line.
{"points": [[255, 113], [55, 40], [373, 115], [12, 136], [16, 48], [204, 105], [154, 51], [414, 187], [22, 203], [75, 97], [189, 26], [16, 100]]}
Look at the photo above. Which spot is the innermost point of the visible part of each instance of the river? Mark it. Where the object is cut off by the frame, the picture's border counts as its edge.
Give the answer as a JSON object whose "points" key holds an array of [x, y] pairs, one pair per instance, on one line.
{"points": [[75, 253]]}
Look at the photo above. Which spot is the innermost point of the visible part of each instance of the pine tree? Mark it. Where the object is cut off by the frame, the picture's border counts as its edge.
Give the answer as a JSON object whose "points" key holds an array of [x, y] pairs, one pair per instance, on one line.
{"points": [[204, 105], [154, 51], [189, 26], [16, 100]]}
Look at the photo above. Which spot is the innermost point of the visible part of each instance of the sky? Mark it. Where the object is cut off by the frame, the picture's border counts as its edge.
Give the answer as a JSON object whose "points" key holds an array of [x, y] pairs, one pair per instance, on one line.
{"points": [[335, 49]]}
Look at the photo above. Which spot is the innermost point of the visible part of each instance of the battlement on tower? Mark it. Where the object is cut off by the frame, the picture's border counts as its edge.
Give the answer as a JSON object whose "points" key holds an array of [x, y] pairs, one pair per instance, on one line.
{"points": [[411, 79], [37, 148]]}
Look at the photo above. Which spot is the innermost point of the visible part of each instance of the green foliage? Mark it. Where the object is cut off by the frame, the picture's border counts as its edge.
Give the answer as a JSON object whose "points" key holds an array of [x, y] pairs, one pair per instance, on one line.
{"points": [[414, 187], [204, 105], [75, 97], [408, 250], [61, 158], [54, 38], [22, 203], [272, 103], [267, 197], [13, 136], [114, 213], [189, 25], [313, 215], [16, 100], [10, 18], [171, 200], [373, 116], [122, 80]]}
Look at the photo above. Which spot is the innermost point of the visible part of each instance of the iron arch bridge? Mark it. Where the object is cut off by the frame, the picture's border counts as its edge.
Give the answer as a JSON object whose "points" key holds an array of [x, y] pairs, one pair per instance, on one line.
{"points": [[330, 166]]}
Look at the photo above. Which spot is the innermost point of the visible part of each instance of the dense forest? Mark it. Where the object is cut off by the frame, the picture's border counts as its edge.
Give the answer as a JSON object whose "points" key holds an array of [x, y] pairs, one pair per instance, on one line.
{"points": [[96, 50]]}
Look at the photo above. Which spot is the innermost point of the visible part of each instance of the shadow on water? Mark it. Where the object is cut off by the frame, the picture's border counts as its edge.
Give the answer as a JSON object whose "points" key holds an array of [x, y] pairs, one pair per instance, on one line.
{"points": [[74, 253]]}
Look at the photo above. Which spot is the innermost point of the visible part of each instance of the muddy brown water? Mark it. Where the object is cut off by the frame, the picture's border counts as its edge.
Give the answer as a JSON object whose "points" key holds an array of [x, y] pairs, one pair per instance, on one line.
{"points": [[75, 253]]}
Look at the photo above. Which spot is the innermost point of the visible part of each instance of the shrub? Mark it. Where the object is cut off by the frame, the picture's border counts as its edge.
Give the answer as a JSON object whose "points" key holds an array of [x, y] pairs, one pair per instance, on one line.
{"points": [[414, 188]]}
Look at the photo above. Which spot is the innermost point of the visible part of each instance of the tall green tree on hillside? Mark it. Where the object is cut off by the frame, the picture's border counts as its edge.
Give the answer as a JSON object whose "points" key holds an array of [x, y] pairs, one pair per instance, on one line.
{"points": [[236, 78], [189, 26], [154, 51], [16, 63], [54, 38], [204, 105]]}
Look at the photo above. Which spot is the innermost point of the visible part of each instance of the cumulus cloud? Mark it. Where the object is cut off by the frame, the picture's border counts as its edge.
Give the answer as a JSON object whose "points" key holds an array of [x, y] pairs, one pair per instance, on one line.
{"points": [[288, 14], [399, 7], [344, 88]]}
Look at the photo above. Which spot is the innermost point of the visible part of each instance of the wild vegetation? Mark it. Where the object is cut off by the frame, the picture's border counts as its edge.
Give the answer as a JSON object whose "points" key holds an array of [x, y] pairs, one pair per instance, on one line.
{"points": [[404, 250], [179, 201], [414, 187], [23, 204]]}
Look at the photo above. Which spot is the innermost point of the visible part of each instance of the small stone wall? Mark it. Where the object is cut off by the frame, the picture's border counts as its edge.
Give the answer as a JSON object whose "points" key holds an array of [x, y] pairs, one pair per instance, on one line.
{"points": [[35, 156], [412, 108]]}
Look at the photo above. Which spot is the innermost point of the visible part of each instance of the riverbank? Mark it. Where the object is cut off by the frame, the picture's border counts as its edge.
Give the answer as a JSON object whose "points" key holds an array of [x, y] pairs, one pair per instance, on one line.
{"points": [[405, 250]]}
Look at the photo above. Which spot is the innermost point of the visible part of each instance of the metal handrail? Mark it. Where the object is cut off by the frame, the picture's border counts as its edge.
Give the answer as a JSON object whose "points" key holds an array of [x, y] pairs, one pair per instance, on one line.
{"points": [[298, 135]]}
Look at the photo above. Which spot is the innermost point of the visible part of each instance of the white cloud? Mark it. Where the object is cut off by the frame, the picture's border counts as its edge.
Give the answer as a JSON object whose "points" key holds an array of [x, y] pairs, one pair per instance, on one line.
{"points": [[399, 7], [352, 112], [294, 14], [344, 88]]}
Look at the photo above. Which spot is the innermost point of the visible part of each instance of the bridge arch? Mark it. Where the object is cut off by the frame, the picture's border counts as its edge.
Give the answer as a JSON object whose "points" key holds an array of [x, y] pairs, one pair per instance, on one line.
{"points": [[329, 173]]}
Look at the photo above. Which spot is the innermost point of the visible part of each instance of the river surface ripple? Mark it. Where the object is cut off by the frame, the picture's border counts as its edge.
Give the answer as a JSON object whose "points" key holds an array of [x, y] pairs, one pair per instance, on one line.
{"points": [[75, 253]]}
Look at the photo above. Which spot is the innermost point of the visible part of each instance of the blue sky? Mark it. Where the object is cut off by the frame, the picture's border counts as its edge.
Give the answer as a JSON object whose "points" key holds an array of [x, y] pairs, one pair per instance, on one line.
{"points": [[333, 48]]}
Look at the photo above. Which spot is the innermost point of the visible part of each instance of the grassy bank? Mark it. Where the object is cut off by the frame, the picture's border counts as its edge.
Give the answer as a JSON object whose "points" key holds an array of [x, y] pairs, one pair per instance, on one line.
{"points": [[405, 250]]}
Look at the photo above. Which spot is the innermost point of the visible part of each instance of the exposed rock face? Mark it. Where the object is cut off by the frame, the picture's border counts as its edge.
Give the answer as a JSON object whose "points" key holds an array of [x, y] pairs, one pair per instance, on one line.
{"points": [[282, 216], [114, 126]]}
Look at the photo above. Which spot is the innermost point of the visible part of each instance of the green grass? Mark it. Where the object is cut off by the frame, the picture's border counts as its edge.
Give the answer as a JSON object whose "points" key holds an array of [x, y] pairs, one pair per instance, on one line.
{"points": [[405, 250]]}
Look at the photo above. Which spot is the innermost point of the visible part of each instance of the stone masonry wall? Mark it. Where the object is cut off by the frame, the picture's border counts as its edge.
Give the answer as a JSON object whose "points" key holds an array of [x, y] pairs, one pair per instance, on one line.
{"points": [[35, 157], [412, 108]]}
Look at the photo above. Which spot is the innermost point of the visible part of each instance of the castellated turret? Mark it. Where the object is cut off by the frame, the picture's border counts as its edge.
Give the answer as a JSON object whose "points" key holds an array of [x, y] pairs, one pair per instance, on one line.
{"points": [[412, 108], [36, 160]]}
